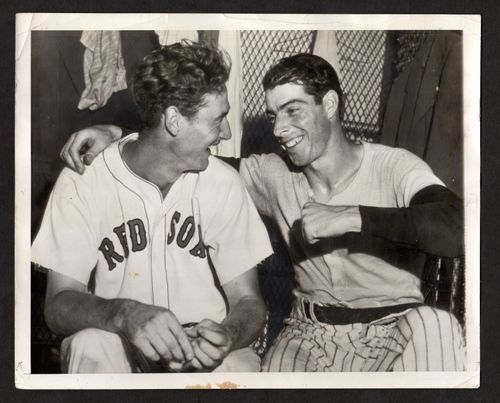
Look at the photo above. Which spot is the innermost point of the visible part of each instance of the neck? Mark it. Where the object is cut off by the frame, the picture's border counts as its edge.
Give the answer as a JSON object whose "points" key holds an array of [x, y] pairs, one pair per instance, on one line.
{"points": [[150, 158], [336, 168]]}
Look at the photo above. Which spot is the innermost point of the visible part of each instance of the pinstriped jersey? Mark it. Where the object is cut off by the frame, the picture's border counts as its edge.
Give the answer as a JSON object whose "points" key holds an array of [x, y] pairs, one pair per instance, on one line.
{"points": [[354, 270], [174, 252]]}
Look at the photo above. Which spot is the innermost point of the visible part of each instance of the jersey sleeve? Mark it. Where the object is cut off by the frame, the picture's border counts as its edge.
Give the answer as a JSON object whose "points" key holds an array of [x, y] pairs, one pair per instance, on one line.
{"points": [[411, 174], [236, 237], [66, 242], [251, 172]]}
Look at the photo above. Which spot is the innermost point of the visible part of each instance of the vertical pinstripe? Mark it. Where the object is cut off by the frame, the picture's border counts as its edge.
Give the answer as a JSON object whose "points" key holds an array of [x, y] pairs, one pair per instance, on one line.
{"points": [[443, 344], [441, 347], [453, 342], [423, 339], [283, 356]]}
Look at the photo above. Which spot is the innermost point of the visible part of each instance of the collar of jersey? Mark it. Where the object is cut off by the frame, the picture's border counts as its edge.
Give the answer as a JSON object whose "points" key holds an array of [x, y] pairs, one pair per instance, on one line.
{"points": [[306, 192], [143, 188]]}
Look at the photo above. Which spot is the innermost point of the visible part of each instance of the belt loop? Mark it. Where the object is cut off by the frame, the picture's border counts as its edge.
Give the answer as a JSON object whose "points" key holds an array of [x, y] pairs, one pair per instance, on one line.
{"points": [[303, 311], [311, 311]]}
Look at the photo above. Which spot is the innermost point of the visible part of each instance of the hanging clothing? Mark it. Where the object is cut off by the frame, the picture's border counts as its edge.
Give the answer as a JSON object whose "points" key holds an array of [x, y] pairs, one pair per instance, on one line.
{"points": [[58, 81], [210, 37], [104, 71], [229, 41], [170, 37], [424, 111], [326, 46]]}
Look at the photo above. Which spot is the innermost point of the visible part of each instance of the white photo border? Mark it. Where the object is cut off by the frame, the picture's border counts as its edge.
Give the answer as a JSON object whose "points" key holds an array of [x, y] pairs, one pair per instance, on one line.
{"points": [[470, 25]]}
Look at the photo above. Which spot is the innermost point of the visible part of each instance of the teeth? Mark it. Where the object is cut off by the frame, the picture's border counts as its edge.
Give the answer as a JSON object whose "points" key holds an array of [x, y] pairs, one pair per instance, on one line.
{"points": [[294, 142]]}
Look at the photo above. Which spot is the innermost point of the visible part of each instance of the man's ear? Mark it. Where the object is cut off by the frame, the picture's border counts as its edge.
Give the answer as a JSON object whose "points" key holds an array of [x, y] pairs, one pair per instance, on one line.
{"points": [[172, 120], [331, 103]]}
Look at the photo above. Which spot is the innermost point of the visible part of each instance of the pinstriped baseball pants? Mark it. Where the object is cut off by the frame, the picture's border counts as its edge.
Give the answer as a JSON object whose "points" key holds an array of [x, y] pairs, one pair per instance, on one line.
{"points": [[421, 339]]}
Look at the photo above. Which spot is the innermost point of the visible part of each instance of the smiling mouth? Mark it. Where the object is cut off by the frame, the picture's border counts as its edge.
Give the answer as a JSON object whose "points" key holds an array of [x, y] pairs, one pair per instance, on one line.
{"points": [[292, 143]]}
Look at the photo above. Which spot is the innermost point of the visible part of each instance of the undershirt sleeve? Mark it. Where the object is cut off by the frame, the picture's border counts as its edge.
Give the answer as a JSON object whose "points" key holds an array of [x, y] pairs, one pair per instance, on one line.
{"points": [[66, 242], [433, 222], [408, 174]]}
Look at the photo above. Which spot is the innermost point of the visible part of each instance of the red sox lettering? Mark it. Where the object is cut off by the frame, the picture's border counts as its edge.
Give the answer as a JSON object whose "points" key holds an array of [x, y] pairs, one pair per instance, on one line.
{"points": [[137, 240], [186, 232]]}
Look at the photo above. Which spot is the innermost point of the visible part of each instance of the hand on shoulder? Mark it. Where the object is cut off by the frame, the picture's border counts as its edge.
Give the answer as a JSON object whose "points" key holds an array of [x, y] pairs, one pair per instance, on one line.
{"points": [[84, 145]]}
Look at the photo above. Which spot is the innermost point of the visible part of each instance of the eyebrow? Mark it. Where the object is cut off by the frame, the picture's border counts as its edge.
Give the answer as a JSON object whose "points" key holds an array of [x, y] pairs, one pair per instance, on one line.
{"points": [[283, 106], [222, 115]]}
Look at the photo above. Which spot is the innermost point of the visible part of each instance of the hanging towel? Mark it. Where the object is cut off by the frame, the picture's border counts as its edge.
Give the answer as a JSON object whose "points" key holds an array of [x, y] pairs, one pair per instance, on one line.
{"points": [[169, 37], [326, 46], [103, 68], [229, 41]]}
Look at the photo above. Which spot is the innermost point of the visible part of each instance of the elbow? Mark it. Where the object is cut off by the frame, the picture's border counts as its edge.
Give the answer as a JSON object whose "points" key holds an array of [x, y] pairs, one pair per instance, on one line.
{"points": [[261, 314], [449, 249], [454, 247], [257, 317], [447, 239], [454, 234], [257, 313], [52, 315]]}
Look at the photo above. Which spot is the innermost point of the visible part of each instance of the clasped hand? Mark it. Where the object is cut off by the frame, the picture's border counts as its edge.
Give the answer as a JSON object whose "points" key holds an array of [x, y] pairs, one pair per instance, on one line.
{"points": [[211, 344], [157, 333]]}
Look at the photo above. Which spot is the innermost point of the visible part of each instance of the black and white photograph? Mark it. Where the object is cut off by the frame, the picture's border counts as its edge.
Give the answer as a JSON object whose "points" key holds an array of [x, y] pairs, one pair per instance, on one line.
{"points": [[247, 201]]}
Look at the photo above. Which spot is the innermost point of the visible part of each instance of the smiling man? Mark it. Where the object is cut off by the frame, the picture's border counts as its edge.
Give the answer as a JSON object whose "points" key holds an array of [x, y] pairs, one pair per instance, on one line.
{"points": [[151, 253], [358, 219]]}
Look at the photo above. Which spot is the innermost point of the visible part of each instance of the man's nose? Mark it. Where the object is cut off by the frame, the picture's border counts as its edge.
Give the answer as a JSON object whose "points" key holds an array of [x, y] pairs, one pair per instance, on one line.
{"points": [[225, 130], [280, 127]]}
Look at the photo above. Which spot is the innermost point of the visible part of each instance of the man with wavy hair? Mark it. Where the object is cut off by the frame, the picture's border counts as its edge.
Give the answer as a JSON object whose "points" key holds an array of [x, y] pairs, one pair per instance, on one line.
{"points": [[358, 219], [151, 253]]}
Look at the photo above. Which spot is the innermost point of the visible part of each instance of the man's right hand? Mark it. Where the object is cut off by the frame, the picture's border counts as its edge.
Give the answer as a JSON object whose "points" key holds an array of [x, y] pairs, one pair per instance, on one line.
{"points": [[156, 332], [84, 145]]}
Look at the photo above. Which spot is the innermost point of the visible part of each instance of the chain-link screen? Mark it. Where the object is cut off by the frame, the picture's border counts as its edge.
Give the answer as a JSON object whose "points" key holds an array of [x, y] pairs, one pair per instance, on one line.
{"points": [[362, 57], [364, 75], [260, 50]]}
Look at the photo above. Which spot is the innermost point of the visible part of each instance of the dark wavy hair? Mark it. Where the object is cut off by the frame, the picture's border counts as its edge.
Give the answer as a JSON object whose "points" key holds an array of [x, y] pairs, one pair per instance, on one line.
{"points": [[178, 75], [311, 71]]}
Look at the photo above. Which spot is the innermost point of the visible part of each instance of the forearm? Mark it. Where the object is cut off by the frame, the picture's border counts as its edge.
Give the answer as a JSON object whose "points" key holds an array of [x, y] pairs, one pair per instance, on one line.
{"points": [[70, 311], [245, 321], [432, 223]]}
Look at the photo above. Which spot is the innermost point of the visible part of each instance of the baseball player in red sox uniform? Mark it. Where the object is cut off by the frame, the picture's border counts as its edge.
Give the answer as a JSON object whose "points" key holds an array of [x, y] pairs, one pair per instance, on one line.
{"points": [[166, 232], [358, 219]]}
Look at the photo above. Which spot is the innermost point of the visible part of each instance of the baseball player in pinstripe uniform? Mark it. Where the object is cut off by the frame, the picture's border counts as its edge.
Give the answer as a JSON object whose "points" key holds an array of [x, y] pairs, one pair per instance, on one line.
{"points": [[165, 232], [358, 219]]}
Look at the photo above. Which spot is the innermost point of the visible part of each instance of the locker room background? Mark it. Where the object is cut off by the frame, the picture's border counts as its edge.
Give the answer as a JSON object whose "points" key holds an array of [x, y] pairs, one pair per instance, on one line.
{"points": [[401, 88]]}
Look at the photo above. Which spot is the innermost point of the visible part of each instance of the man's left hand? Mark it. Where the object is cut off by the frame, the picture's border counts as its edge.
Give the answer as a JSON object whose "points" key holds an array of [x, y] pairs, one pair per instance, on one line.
{"points": [[211, 344], [324, 221]]}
